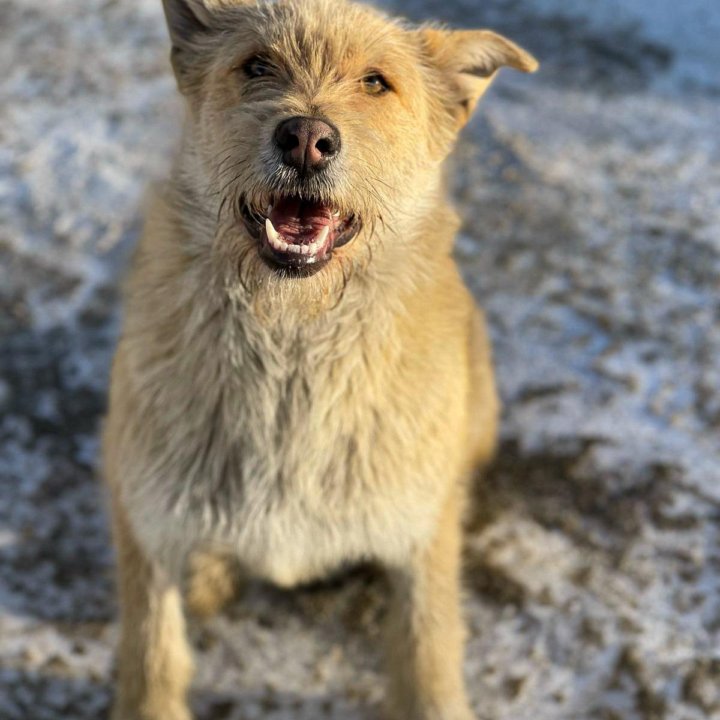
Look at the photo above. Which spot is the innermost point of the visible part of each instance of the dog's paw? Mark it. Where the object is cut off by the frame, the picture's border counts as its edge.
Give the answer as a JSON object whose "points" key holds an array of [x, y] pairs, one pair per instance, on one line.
{"points": [[172, 711], [463, 713], [459, 711]]}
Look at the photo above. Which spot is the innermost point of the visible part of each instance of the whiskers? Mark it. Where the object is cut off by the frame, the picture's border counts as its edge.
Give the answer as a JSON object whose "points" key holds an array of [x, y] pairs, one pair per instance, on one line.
{"points": [[242, 180], [241, 186]]}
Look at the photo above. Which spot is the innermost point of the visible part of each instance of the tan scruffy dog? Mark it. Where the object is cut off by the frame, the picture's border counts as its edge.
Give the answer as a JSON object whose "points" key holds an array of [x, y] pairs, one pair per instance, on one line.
{"points": [[303, 380]]}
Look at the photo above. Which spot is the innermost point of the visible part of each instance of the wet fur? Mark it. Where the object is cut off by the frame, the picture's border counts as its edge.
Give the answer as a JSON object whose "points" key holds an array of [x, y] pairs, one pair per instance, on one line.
{"points": [[280, 426]]}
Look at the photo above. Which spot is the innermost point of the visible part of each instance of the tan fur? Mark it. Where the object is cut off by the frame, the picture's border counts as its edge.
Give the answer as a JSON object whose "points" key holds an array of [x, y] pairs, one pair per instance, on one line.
{"points": [[212, 581], [290, 424]]}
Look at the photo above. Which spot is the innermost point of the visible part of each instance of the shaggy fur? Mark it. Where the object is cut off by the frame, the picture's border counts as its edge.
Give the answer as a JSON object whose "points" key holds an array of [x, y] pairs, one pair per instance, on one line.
{"points": [[280, 424]]}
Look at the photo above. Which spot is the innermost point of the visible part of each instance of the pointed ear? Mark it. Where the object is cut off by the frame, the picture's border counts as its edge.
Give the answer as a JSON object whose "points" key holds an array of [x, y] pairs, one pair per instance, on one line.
{"points": [[470, 59], [188, 21]]}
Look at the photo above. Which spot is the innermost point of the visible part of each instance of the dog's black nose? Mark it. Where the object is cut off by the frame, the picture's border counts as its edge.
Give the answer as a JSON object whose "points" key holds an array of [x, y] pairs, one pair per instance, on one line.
{"points": [[307, 143]]}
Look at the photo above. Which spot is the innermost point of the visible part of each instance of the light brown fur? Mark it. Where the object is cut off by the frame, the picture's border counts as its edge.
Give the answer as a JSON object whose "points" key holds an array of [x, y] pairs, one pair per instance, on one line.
{"points": [[289, 424]]}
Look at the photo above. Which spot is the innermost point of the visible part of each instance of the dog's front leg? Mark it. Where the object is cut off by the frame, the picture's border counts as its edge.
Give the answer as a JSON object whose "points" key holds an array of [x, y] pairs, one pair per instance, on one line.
{"points": [[154, 662], [425, 630]]}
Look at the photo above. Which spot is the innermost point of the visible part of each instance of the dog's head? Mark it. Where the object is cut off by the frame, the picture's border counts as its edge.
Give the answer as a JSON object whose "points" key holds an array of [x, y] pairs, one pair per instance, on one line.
{"points": [[318, 128]]}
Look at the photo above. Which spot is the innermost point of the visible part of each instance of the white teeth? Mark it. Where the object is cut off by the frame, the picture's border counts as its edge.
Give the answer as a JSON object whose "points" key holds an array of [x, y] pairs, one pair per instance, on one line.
{"points": [[274, 237], [272, 233], [319, 242], [322, 237], [277, 242]]}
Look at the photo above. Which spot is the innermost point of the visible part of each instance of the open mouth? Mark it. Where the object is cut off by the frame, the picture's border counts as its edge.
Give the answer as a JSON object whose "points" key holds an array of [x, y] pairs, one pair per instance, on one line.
{"points": [[298, 233]]}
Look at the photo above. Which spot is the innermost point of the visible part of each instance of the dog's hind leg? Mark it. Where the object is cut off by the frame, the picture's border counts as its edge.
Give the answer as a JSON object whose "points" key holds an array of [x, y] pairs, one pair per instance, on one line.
{"points": [[154, 662], [425, 630], [213, 580]]}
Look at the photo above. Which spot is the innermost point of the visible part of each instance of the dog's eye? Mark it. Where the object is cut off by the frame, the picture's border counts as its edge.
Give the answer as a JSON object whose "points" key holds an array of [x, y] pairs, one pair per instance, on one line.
{"points": [[375, 84], [257, 67]]}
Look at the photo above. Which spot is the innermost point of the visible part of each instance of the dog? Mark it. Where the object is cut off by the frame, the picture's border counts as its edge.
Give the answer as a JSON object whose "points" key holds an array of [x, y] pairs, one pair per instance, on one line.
{"points": [[302, 380]]}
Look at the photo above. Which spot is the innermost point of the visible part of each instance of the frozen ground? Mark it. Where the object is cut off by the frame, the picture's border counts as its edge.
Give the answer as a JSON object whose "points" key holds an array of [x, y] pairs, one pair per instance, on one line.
{"points": [[591, 199]]}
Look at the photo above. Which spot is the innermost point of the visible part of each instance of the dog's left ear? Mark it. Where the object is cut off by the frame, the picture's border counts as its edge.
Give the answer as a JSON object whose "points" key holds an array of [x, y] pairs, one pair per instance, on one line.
{"points": [[470, 60]]}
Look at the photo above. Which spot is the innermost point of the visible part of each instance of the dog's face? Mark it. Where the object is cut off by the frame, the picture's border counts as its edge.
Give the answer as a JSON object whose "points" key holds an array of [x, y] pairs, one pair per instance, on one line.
{"points": [[319, 127]]}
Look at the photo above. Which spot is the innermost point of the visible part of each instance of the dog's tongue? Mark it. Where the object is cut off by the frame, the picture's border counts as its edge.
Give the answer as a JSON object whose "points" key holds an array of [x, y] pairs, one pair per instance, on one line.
{"points": [[299, 221]]}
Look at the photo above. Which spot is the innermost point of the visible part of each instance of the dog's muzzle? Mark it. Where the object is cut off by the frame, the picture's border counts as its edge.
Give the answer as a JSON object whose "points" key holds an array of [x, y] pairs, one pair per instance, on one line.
{"points": [[297, 233]]}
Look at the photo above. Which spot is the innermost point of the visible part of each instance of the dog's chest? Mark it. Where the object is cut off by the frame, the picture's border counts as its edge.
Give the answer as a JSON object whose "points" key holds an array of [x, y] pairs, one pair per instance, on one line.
{"points": [[305, 484], [295, 467]]}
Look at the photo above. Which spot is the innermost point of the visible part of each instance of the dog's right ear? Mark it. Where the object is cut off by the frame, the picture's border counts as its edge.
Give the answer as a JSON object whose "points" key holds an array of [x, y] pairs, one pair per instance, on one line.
{"points": [[188, 21]]}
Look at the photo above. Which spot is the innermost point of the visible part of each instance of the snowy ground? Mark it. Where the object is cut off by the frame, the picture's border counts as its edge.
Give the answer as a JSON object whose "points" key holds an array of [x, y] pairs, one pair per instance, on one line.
{"points": [[591, 198]]}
